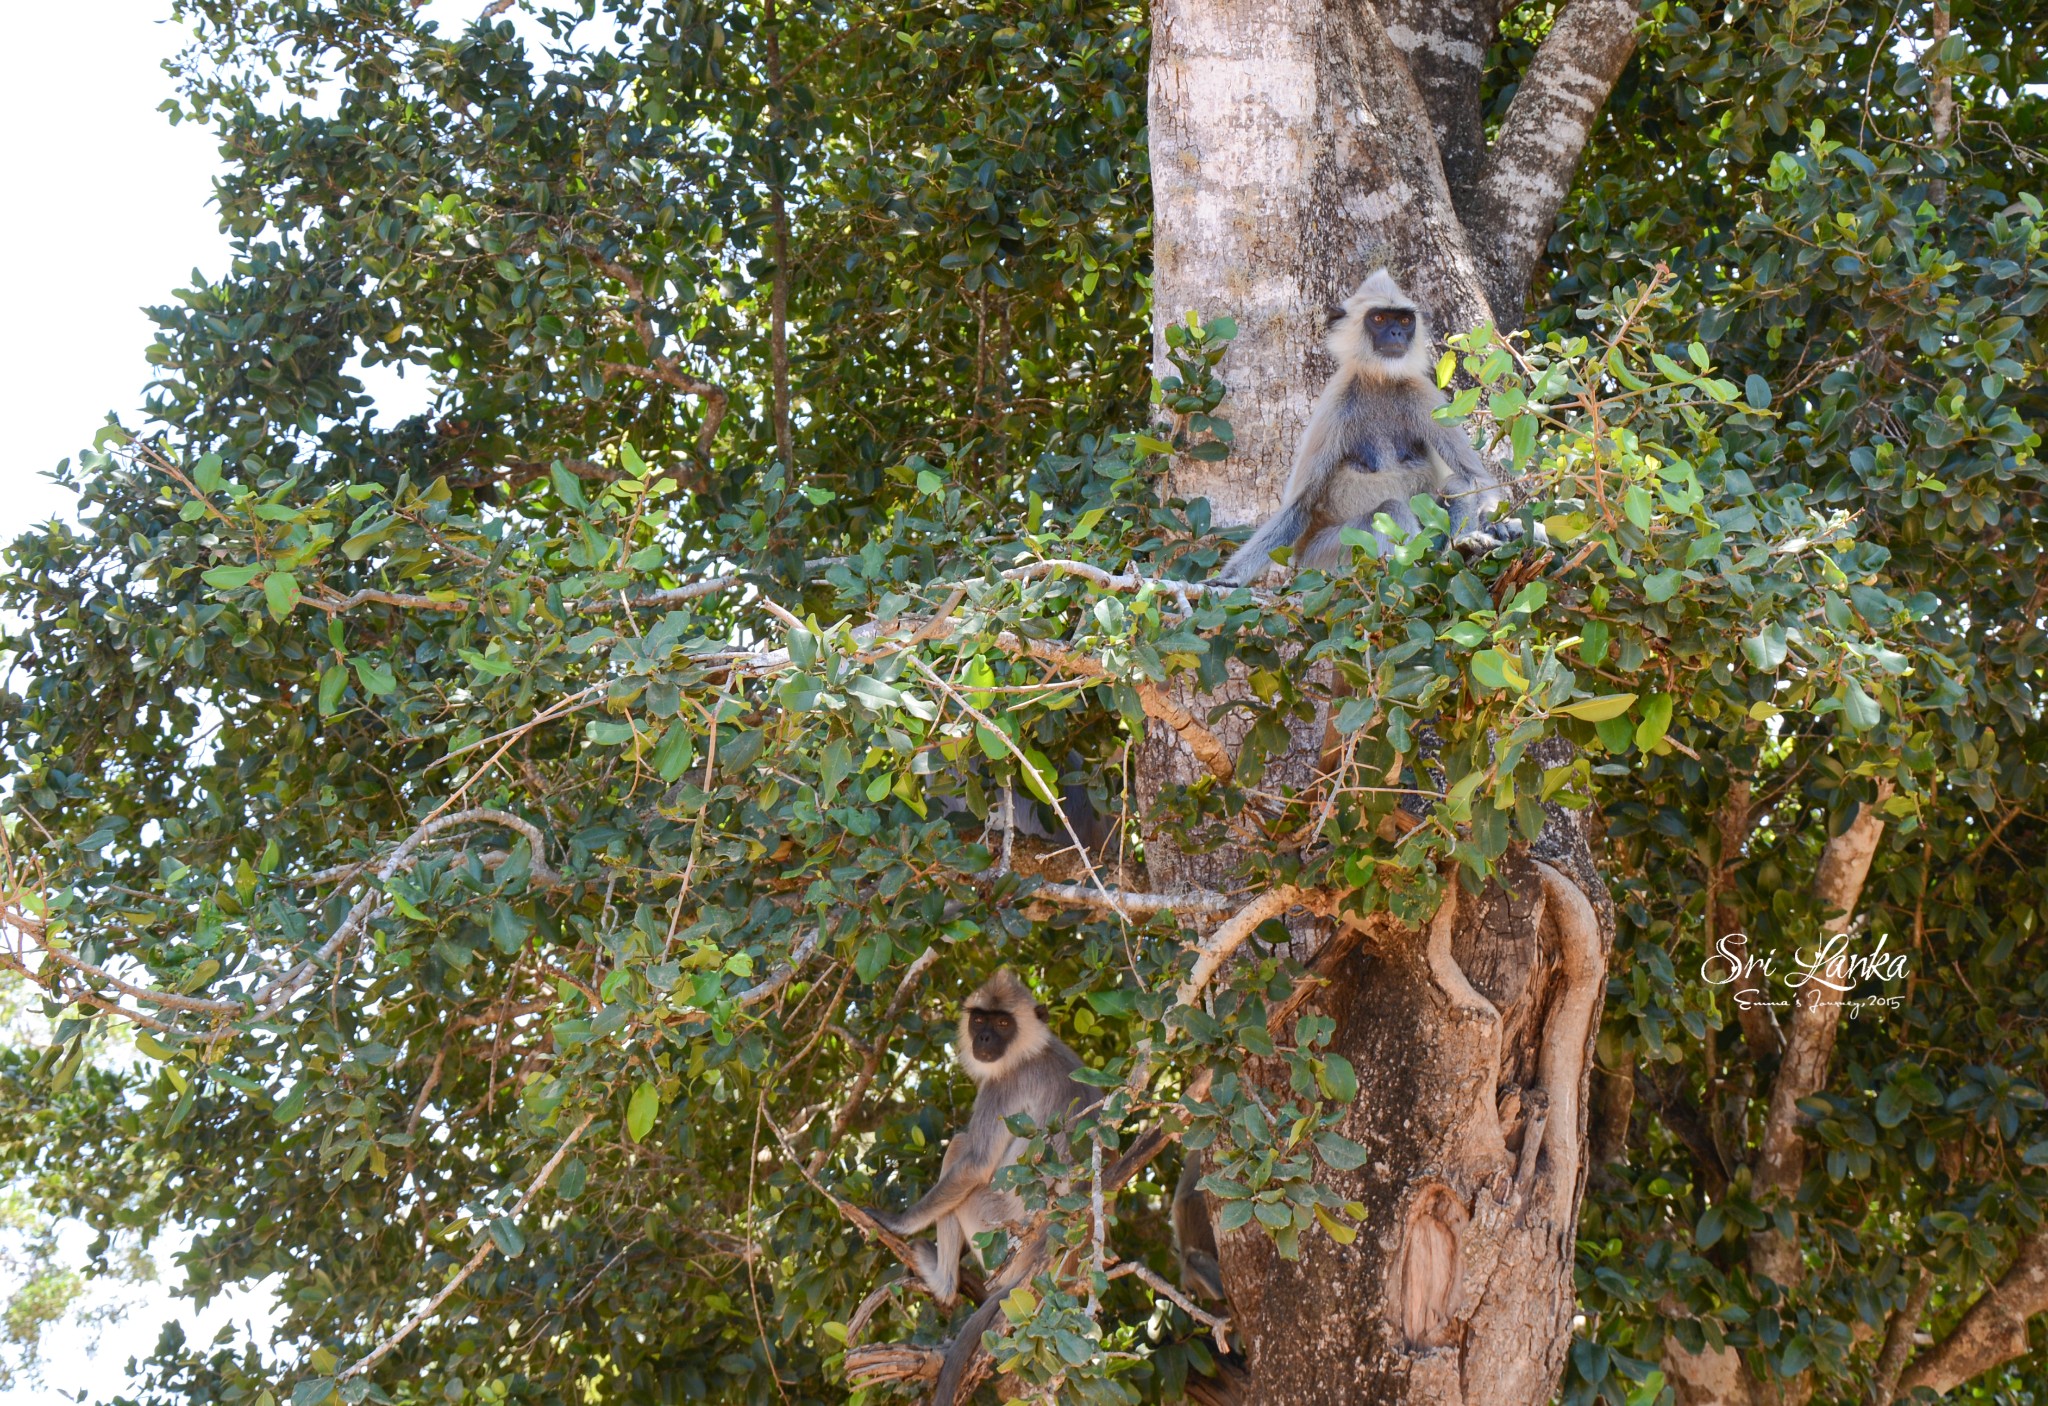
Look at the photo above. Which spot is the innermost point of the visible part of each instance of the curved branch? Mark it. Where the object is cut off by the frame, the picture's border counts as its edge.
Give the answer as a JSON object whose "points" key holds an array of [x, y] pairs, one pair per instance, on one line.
{"points": [[1217, 948], [780, 976], [1568, 1035]]}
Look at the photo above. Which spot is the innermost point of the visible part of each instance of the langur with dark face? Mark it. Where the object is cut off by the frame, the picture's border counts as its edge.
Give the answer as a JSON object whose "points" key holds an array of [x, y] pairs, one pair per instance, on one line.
{"points": [[1019, 1067], [1371, 445]]}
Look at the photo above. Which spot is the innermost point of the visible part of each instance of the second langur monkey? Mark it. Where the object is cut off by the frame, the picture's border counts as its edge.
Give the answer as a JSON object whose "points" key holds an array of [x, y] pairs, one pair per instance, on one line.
{"points": [[1371, 444], [1019, 1067]]}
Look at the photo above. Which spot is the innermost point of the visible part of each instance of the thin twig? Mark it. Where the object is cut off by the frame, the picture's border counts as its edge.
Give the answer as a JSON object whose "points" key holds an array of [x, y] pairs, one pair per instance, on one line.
{"points": [[432, 1305]]}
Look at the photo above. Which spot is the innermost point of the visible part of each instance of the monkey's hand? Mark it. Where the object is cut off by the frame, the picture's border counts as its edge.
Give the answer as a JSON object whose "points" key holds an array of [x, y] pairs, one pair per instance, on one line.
{"points": [[893, 1222], [1478, 538]]}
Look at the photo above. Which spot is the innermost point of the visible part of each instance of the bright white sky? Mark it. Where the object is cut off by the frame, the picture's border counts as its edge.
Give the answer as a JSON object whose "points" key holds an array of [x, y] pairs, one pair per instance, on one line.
{"points": [[112, 212]]}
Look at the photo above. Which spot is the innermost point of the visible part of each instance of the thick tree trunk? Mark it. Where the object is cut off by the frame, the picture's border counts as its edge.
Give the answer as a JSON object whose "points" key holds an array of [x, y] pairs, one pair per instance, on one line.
{"points": [[1297, 144]]}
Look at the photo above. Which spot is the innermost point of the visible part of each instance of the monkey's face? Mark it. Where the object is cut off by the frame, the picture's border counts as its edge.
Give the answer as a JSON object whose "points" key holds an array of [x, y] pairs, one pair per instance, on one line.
{"points": [[990, 1033], [1392, 331]]}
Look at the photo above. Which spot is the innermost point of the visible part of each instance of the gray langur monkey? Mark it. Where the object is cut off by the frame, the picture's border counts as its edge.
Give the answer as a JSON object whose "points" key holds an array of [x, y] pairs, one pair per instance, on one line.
{"points": [[1371, 445], [1019, 1067]]}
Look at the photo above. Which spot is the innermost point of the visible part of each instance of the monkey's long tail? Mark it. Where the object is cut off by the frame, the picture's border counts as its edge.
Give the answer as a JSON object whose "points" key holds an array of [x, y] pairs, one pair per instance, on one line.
{"points": [[1249, 562], [1018, 1269]]}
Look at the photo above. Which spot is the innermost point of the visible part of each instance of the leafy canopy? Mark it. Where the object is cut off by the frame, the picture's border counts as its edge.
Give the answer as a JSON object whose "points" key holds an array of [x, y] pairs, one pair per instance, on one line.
{"points": [[551, 831]]}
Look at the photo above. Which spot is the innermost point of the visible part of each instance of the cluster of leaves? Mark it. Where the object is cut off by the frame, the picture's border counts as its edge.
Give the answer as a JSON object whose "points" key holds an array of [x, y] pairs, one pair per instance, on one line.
{"points": [[1886, 281]]}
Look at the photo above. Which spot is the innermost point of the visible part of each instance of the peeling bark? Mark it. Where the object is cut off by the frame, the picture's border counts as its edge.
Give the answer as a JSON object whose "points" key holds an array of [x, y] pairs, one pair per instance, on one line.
{"points": [[1474, 1036]]}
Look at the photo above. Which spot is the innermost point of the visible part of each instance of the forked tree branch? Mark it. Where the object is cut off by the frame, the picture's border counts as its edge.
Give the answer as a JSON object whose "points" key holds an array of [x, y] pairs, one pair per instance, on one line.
{"points": [[1994, 1331], [1445, 44], [1810, 1035], [664, 369], [1529, 168]]}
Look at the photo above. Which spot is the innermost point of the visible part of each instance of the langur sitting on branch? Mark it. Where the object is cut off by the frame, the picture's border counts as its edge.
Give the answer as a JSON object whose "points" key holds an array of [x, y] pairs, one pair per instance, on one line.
{"points": [[1371, 445], [1019, 1067]]}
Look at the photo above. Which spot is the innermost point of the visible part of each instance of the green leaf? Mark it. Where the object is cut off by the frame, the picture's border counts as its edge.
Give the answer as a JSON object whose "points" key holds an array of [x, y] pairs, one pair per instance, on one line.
{"points": [[1766, 649], [1607, 705], [641, 1110], [1522, 440], [1343, 1234], [232, 578], [1654, 720], [333, 682], [1860, 708], [312, 1391], [1340, 1153], [1593, 643], [484, 664], [375, 677], [1494, 669], [1757, 391], [676, 752], [206, 475], [1041, 777], [1638, 505], [567, 487], [1711, 1225], [505, 1234]]}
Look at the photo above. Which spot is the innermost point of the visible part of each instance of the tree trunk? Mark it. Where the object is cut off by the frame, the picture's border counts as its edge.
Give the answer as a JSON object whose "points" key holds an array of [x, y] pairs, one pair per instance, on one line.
{"points": [[1295, 148]]}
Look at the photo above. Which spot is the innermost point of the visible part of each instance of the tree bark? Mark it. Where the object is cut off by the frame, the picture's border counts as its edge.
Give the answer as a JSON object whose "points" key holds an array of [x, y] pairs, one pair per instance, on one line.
{"points": [[1994, 1331], [1297, 145]]}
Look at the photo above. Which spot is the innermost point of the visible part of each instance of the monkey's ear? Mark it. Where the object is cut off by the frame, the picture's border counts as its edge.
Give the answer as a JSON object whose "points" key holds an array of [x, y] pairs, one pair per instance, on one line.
{"points": [[1333, 313], [1041, 1010]]}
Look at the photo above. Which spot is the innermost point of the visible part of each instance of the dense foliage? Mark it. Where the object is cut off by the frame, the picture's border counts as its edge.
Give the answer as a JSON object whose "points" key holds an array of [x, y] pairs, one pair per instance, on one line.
{"points": [[551, 832]]}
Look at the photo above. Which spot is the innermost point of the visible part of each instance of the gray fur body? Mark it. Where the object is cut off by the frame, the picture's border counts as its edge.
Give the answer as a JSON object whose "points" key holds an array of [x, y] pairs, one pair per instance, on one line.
{"points": [[1031, 1073], [1371, 445]]}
